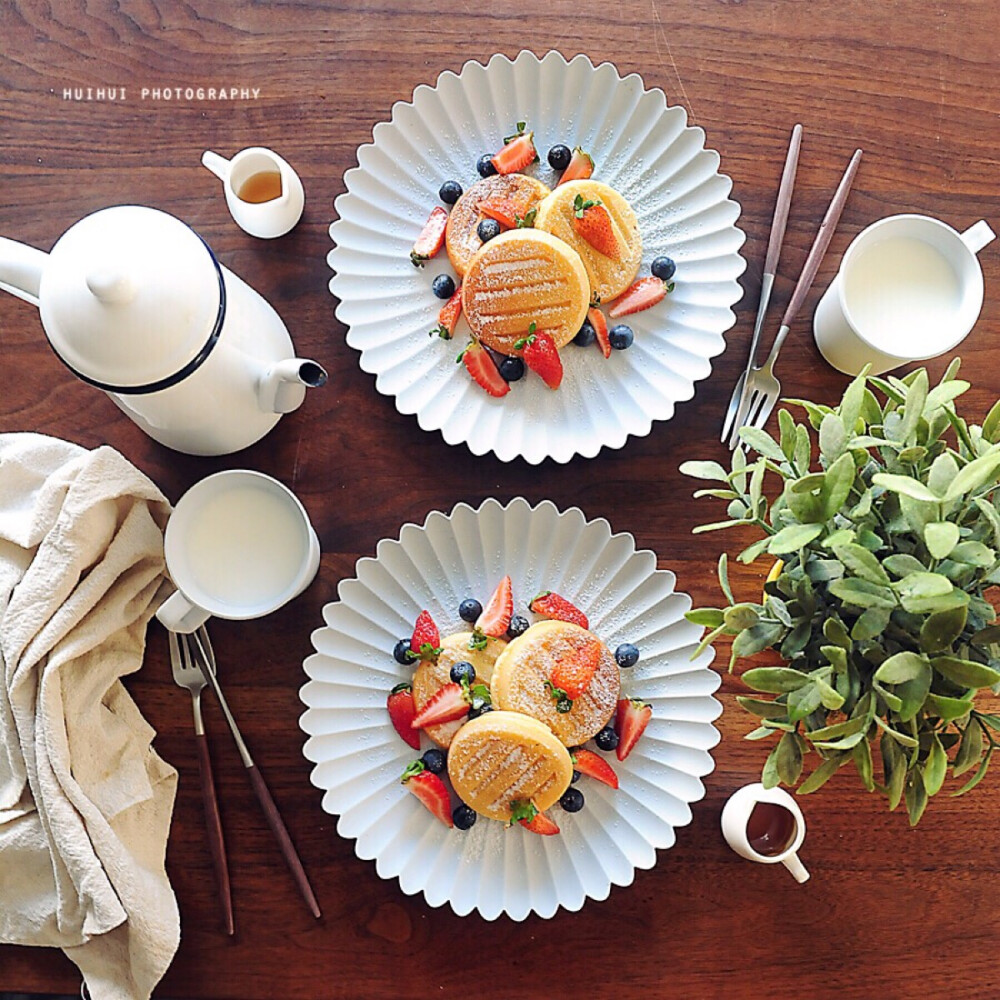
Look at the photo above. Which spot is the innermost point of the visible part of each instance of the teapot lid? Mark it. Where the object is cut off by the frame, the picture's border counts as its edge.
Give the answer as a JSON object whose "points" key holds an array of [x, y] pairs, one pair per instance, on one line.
{"points": [[132, 299]]}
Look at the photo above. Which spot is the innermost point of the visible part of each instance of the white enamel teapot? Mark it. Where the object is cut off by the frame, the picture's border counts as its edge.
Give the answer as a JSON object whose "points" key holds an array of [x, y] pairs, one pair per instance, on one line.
{"points": [[134, 302]]}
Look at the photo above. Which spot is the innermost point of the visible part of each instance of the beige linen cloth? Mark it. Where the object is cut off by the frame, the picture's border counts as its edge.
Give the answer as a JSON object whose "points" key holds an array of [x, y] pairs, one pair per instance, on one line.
{"points": [[85, 802]]}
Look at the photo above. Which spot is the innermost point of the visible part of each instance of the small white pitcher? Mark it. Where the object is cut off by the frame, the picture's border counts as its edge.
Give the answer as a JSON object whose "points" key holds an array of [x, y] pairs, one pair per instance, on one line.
{"points": [[736, 819], [265, 219]]}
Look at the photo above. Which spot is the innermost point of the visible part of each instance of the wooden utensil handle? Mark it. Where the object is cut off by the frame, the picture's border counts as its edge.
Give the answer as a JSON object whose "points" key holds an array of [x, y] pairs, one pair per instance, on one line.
{"points": [[213, 826], [783, 202], [280, 832]]}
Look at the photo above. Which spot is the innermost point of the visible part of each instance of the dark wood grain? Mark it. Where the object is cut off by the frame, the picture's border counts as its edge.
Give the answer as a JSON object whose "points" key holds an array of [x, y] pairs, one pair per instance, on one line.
{"points": [[888, 910]]}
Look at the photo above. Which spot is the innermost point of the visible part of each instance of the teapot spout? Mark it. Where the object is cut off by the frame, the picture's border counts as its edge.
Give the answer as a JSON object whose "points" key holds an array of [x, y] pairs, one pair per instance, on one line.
{"points": [[284, 385], [21, 269]]}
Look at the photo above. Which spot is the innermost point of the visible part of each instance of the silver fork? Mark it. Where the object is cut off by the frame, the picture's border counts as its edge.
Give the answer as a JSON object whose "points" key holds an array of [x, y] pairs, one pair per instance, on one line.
{"points": [[762, 389], [187, 674]]}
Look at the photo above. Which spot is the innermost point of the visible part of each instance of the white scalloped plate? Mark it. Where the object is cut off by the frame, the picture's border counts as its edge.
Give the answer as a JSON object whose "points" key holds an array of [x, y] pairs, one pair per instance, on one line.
{"points": [[359, 757], [643, 148]]}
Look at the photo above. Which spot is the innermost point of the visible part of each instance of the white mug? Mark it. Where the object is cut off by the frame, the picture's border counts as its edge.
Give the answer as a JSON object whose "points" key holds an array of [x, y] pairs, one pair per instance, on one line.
{"points": [[238, 545], [264, 194], [770, 835], [909, 288]]}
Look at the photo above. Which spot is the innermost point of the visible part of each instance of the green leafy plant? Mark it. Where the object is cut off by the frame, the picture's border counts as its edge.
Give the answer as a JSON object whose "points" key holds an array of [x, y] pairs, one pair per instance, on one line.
{"points": [[878, 608]]}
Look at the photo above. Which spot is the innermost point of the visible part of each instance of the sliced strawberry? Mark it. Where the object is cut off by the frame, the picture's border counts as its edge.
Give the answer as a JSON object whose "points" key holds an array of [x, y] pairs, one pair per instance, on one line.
{"points": [[581, 166], [431, 237], [483, 369], [495, 617], [630, 723], [518, 153], [594, 766], [574, 671], [430, 789], [426, 640], [552, 605], [592, 221], [446, 705], [448, 316], [640, 295], [502, 209], [600, 325], [401, 712], [542, 356], [525, 813]]}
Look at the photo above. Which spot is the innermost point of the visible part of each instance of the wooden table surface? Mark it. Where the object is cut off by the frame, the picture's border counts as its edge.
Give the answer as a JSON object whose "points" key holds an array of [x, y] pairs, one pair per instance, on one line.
{"points": [[888, 910]]}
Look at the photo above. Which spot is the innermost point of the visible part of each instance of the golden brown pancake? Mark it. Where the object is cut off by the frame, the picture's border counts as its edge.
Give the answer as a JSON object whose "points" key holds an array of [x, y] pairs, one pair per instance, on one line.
{"points": [[608, 276], [503, 756], [521, 277], [520, 673]]}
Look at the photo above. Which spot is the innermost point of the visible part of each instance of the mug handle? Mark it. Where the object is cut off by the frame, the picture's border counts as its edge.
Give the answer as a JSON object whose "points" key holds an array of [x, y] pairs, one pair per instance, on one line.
{"points": [[219, 165], [978, 235], [178, 614], [798, 870]]}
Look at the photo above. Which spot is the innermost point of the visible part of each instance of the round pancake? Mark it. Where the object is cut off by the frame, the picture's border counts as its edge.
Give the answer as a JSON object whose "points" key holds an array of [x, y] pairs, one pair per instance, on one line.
{"points": [[521, 277], [430, 677], [503, 756], [520, 673], [461, 238], [609, 277]]}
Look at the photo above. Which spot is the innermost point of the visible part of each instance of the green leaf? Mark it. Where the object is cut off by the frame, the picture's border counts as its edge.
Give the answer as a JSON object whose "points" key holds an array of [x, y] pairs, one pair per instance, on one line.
{"points": [[804, 701], [936, 767], [943, 628], [913, 693], [741, 616], [916, 797], [788, 759], [794, 537], [912, 455], [978, 776], [786, 434], [991, 425], [970, 749], [835, 630], [906, 485], [757, 638], [775, 680], [913, 407], [706, 617], [832, 437], [821, 774], [902, 667], [807, 483], [716, 526], [974, 475], [851, 403], [803, 447], [704, 470], [752, 552], [965, 673], [941, 537], [972, 553], [777, 608], [948, 709], [769, 777], [762, 443], [862, 594], [894, 770], [723, 570], [901, 738], [844, 743], [718, 494], [862, 754], [839, 480], [761, 708], [943, 470], [923, 586], [872, 622], [846, 728], [901, 564], [862, 563], [991, 515]]}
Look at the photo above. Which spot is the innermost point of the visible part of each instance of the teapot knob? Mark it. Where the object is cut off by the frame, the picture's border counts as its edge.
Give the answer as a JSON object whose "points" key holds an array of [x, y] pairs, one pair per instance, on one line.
{"points": [[111, 286]]}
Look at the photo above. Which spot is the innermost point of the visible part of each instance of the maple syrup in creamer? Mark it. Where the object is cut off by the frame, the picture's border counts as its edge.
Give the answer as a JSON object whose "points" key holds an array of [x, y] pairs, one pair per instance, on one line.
{"points": [[771, 829], [260, 187]]}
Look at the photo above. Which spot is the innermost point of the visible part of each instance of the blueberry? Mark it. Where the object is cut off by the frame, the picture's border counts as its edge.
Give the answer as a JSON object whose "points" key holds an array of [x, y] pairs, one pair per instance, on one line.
{"points": [[518, 626], [559, 157], [511, 369], [444, 286], [450, 192], [585, 335], [435, 760], [663, 267], [479, 707], [464, 816], [462, 671], [488, 229], [627, 654], [564, 705], [575, 778], [400, 652], [469, 610], [572, 800], [485, 165], [606, 739], [621, 337]]}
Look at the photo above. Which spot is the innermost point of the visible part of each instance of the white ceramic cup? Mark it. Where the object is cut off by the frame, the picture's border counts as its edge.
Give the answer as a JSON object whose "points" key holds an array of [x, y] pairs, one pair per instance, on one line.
{"points": [[909, 288], [265, 219], [736, 819], [238, 545]]}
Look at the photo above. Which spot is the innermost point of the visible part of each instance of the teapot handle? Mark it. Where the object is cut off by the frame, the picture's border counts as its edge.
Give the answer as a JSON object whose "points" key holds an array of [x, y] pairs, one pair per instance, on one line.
{"points": [[21, 269]]}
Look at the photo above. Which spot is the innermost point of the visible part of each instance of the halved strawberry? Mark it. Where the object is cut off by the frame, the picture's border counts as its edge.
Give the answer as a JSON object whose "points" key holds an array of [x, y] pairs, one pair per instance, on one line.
{"points": [[502, 209], [640, 295], [426, 639], [430, 789], [592, 221], [431, 237], [581, 166], [483, 369], [630, 722], [401, 712], [542, 356], [446, 705], [574, 671], [524, 812], [595, 766], [551, 605], [600, 325], [518, 152], [495, 617], [448, 316]]}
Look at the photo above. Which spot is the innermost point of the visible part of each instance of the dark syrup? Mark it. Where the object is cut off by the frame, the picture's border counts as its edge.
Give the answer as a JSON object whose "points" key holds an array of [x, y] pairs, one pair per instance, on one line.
{"points": [[770, 829]]}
